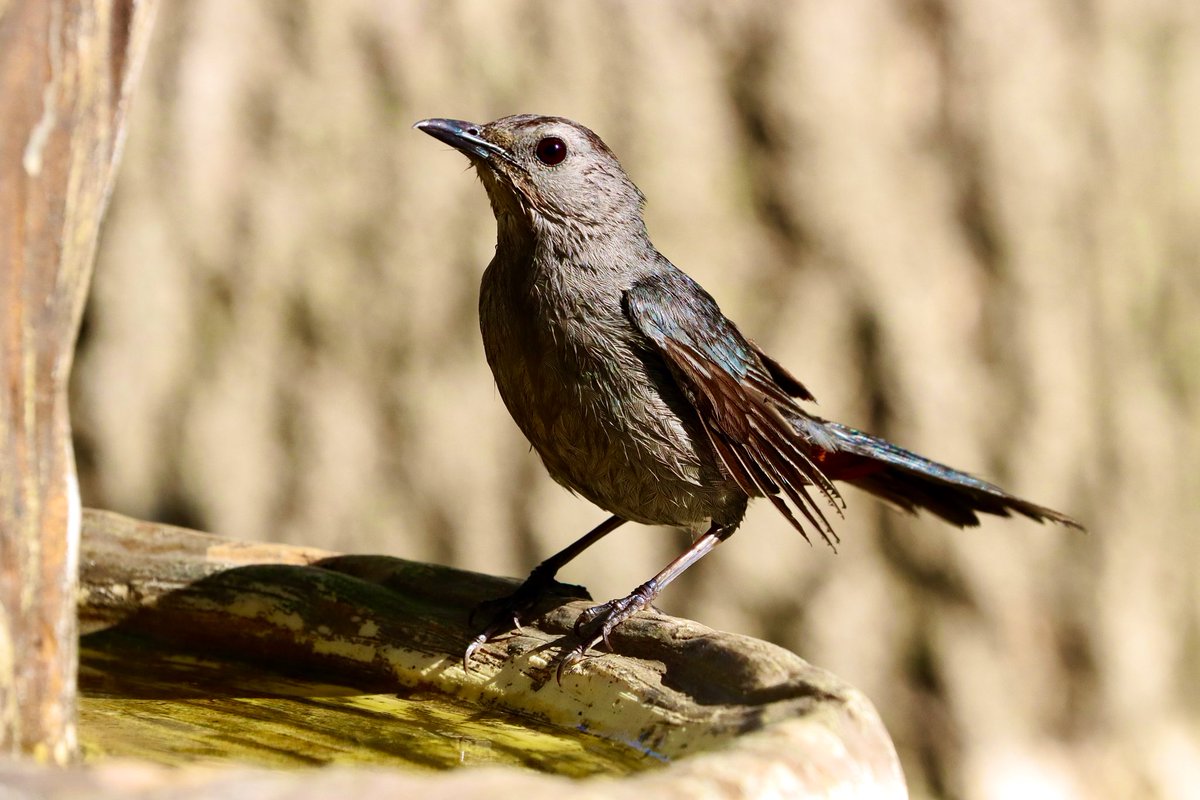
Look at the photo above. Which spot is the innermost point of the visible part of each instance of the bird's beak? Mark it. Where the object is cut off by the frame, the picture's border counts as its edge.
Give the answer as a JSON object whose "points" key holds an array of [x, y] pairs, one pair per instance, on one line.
{"points": [[463, 136]]}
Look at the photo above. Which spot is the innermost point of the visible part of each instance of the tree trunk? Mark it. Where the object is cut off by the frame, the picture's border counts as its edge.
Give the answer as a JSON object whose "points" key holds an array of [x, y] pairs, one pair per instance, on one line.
{"points": [[66, 71]]}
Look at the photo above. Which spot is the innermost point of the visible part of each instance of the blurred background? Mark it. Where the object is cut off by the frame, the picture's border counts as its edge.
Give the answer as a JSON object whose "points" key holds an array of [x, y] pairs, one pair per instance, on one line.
{"points": [[972, 226]]}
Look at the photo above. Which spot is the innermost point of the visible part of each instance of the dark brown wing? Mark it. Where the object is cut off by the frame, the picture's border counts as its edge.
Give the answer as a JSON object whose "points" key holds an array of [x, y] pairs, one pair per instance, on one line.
{"points": [[773, 448], [744, 400], [784, 379]]}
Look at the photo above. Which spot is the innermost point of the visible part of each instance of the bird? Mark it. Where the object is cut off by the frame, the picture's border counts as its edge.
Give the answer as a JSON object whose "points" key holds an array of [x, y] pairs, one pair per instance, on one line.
{"points": [[638, 393]]}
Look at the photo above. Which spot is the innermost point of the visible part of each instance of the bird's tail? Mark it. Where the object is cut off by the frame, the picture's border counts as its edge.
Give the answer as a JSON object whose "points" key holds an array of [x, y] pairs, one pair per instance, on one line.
{"points": [[912, 482]]}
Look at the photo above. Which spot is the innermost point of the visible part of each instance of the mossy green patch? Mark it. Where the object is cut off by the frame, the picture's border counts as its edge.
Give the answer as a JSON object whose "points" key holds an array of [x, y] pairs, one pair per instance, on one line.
{"points": [[141, 702]]}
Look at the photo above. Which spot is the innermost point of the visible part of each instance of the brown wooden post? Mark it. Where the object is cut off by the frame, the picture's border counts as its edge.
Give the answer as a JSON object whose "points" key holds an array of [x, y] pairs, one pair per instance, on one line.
{"points": [[67, 68]]}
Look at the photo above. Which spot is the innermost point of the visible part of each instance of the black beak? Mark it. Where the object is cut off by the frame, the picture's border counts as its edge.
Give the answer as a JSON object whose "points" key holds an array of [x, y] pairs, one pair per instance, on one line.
{"points": [[464, 136]]}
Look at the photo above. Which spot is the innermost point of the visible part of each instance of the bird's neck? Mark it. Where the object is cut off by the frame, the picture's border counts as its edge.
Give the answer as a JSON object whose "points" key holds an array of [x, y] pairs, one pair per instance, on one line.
{"points": [[515, 233], [525, 226], [559, 239]]}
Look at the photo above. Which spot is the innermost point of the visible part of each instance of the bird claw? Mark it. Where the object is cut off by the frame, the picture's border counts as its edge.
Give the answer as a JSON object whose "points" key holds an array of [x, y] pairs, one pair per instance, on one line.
{"points": [[605, 617], [569, 659], [507, 619], [602, 619], [476, 643], [508, 612]]}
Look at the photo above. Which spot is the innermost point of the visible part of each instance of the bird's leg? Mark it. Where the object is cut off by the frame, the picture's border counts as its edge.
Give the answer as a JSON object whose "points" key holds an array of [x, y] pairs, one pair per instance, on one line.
{"points": [[508, 612], [604, 618]]}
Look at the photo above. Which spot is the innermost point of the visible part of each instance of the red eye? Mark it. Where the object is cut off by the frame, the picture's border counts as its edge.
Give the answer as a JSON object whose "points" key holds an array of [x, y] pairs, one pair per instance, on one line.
{"points": [[551, 151]]}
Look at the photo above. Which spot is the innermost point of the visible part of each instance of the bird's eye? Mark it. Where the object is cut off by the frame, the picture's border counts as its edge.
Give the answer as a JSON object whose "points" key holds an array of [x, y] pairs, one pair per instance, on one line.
{"points": [[551, 151]]}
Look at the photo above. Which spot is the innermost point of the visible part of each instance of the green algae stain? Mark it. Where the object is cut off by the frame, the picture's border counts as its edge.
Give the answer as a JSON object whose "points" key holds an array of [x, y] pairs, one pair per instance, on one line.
{"points": [[177, 709]]}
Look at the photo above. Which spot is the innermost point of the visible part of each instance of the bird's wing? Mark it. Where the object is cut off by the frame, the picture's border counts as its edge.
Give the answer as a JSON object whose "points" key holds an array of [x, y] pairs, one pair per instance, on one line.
{"points": [[783, 379], [744, 399]]}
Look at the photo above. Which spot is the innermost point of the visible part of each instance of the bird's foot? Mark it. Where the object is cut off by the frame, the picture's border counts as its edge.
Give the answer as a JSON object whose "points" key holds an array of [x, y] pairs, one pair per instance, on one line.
{"points": [[507, 613], [601, 620]]}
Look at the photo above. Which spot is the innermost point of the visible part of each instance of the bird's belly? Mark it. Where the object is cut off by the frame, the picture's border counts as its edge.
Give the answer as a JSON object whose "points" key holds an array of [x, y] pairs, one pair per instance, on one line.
{"points": [[628, 457], [604, 430]]}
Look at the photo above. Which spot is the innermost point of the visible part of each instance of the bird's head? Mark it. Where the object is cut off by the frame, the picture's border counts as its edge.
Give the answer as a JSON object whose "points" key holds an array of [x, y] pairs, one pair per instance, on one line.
{"points": [[545, 171]]}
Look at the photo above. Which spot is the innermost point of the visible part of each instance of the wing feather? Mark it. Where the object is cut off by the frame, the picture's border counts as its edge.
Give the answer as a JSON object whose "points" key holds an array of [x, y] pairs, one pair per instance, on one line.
{"points": [[742, 398], [747, 406]]}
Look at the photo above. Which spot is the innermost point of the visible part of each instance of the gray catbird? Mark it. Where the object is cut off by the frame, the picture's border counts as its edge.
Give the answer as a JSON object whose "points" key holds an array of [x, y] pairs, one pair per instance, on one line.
{"points": [[634, 388]]}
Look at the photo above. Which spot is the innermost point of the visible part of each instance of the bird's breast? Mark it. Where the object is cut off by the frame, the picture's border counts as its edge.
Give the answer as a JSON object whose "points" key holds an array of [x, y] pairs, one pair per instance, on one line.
{"points": [[571, 370]]}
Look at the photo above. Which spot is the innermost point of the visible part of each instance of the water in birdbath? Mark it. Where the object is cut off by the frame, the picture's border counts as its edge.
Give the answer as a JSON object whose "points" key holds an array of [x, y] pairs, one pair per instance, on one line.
{"points": [[139, 701]]}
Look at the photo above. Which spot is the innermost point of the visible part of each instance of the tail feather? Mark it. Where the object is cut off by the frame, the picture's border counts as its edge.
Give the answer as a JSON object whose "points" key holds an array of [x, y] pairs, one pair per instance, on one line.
{"points": [[912, 482]]}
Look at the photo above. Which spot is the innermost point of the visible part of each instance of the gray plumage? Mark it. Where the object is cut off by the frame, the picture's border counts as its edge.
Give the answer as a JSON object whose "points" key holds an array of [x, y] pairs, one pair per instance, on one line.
{"points": [[570, 366], [634, 388]]}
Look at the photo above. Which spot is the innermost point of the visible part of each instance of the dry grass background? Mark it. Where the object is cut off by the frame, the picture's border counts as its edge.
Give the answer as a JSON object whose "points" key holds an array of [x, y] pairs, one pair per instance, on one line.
{"points": [[973, 226]]}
